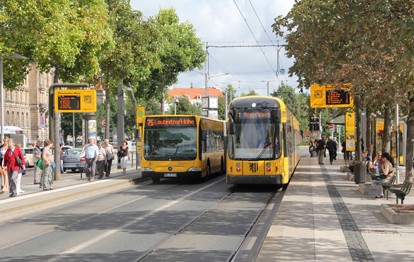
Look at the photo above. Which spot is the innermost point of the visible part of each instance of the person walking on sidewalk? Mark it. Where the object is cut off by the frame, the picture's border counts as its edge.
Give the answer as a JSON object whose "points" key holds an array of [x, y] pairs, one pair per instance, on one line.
{"points": [[110, 153], [47, 163], [13, 167], [3, 148], [91, 155], [37, 154], [321, 147], [101, 160], [124, 154], [331, 146], [386, 171]]}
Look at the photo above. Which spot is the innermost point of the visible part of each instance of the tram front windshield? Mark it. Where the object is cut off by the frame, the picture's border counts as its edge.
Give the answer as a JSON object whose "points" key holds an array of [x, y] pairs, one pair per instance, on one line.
{"points": [[170, 143], [256, 135]]}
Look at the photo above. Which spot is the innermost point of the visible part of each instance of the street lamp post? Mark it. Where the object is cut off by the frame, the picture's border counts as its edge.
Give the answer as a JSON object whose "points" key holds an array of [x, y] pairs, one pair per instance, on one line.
{"points": [[14, 56]]}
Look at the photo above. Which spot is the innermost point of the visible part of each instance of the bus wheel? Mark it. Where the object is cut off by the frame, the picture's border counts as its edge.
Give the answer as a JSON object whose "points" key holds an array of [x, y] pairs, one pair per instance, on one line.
{"points": [[156, 179], [208, 171]]}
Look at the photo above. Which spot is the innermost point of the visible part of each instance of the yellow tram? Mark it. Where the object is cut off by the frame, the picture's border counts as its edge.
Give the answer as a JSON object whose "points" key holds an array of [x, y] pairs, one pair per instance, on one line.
{"points": [[263, 141]]}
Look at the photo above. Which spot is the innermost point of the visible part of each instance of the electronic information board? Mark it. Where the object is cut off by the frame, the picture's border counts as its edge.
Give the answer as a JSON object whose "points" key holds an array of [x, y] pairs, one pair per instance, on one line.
{"points": [[330, 97], [75, 101]]}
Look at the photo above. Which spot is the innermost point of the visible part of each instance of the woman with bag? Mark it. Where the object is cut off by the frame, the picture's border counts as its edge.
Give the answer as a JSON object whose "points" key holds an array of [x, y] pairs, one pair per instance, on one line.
{"points": [[11, 160], [47, 162], [124, 153], [3, 148]]}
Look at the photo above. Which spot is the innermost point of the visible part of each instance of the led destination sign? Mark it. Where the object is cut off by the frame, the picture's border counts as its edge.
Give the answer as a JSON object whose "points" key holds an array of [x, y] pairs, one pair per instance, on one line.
{"points": [[257, 114], [175, 122]]}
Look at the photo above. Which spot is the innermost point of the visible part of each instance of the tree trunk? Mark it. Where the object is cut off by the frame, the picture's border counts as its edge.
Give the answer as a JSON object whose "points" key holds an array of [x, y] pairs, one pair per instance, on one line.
{"points": [[56, 132], [120, 116], [410, 141]]}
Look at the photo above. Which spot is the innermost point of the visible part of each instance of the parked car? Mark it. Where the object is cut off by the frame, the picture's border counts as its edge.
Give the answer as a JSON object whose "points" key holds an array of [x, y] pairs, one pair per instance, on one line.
{"points": [[28, 156], [72, 160], [66, 147]]}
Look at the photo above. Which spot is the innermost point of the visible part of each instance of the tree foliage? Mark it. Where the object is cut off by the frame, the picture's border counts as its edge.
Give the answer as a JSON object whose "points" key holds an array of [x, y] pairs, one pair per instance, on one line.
{"points": [[368, 44]]}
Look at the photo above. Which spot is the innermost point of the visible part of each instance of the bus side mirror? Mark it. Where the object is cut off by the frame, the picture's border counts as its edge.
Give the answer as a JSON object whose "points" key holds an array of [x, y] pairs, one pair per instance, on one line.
{"points": [[203, 135]]}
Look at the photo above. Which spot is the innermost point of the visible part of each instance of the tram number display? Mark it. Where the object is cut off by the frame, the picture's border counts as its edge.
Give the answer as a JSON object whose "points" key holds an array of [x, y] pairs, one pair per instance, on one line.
{"points": [[68, 102], [337, 97]]}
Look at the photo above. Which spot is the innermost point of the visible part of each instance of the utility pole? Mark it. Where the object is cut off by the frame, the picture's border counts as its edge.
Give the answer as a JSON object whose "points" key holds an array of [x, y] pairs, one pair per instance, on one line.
{"points": [[120, 115]]}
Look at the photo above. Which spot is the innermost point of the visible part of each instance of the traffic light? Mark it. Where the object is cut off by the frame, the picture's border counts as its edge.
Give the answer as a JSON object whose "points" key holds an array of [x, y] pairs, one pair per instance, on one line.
{"points": [[314, 124]]}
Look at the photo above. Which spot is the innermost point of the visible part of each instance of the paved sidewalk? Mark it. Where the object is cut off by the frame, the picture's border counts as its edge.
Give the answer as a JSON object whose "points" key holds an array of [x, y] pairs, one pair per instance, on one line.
{"points": [[325, 217]]}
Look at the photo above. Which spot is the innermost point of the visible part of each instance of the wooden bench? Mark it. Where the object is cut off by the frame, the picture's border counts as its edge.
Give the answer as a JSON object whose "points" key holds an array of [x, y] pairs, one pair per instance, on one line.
{"points": [[387, 186], [403, 191]]}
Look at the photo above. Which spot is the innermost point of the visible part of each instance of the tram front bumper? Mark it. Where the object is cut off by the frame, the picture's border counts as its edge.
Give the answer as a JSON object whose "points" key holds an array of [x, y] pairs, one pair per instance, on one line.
{"points": [[243, 179]]}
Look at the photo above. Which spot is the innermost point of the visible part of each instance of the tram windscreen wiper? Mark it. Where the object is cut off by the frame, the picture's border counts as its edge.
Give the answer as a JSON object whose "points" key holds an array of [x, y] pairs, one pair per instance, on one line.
{"points": [[265, 147]]}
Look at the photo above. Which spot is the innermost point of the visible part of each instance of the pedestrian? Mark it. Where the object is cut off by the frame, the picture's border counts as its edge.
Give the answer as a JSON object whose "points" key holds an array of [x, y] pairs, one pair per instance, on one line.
{"points": [[91, 155], [61, 158], [19, 176], [124, 155], [110, 153], [101, 160], [37, 154], [13, 168], [331, 146], [321, 148], [3, 148], [47, 164], [386, 173], [311, 147]]}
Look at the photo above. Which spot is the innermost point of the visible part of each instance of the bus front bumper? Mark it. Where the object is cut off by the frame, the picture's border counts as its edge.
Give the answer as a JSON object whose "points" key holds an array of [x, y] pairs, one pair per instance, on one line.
{"points": [[193, 174]]}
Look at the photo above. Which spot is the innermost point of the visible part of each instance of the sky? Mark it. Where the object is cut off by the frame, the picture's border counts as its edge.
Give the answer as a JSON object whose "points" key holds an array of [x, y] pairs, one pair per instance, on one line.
{"points": [[233, 23]]}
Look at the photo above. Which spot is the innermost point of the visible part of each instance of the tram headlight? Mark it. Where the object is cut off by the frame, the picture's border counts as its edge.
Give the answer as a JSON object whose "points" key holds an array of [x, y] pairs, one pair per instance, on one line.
{"points": [[147, 169], [268, 167], [238, 167]]}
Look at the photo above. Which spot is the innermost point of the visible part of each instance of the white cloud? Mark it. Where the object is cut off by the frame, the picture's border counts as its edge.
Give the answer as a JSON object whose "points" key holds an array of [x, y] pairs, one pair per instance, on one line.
{"points": [[219, 22]]}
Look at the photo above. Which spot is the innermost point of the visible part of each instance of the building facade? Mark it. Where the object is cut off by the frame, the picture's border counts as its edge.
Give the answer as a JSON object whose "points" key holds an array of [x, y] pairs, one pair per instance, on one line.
{"points": [[27, 105]]}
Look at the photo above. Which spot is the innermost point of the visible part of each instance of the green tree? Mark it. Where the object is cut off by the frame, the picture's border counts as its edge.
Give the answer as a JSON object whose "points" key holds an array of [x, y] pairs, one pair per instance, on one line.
{"points": [[184, 107], [368, 44], [178, 50]]}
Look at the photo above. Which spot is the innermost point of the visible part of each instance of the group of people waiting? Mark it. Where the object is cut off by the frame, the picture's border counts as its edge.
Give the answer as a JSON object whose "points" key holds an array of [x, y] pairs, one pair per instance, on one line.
{"points": [[319, 147], [381, 169], [99, 158], [13, 166]]}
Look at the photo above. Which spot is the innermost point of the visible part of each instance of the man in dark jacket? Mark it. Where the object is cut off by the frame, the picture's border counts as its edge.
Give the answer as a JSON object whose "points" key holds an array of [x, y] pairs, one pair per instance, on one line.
{"points": [[321, 147], [331, 146]]}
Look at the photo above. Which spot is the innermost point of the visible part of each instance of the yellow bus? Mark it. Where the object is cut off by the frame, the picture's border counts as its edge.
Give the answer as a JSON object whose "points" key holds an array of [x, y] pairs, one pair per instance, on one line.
{"points": [[263, 141], [182, 146]]}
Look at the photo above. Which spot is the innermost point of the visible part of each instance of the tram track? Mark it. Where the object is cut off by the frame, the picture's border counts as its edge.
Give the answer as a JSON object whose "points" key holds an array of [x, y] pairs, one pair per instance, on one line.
{"points": [[251, 237]]}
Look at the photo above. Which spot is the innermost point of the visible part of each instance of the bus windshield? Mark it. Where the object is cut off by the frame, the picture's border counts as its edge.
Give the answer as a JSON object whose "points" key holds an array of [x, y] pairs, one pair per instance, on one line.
{"points": [[167, 142], [256, 135]]}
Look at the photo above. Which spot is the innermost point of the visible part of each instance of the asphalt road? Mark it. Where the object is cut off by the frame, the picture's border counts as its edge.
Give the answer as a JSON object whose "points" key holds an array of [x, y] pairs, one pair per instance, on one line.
{"points": [[172, 220]]}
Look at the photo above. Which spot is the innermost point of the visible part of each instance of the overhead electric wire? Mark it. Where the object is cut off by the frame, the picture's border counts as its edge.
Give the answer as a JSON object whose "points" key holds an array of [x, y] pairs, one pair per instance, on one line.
{"points": [[264, 29], [251, 31]]}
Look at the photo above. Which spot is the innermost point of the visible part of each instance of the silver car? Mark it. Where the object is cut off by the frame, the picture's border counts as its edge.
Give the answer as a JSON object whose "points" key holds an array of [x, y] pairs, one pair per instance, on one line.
{"points": [[71, 159]]}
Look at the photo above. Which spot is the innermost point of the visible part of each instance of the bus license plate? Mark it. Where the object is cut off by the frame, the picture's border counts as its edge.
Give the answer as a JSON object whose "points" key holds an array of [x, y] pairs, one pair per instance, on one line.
{"points": [[170, 174]]}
